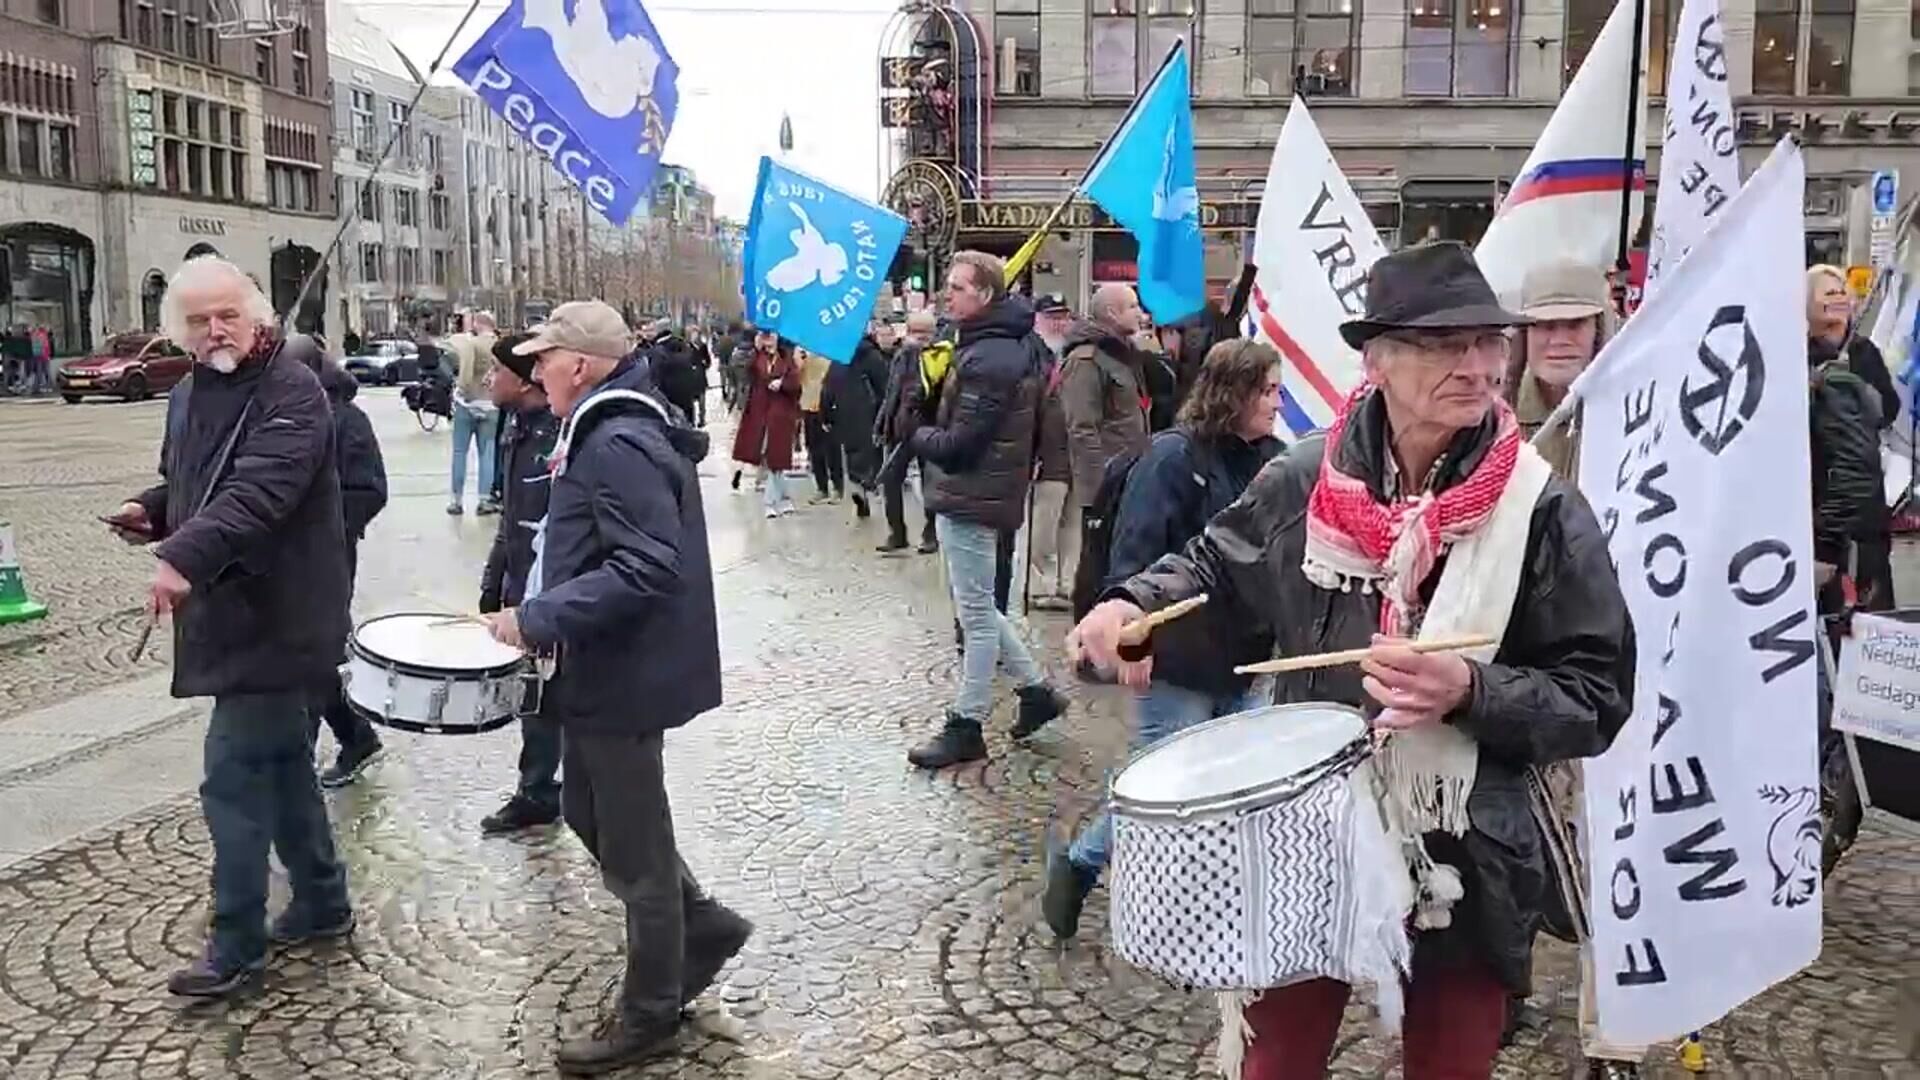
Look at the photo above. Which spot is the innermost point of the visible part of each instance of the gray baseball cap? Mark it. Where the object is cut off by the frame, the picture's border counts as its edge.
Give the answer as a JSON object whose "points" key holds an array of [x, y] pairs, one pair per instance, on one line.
{"points": [[1565, 290]]}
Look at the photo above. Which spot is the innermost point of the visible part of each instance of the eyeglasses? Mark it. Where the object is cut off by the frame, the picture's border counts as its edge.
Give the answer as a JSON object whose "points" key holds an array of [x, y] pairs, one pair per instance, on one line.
{"points": [[1453, 348]]}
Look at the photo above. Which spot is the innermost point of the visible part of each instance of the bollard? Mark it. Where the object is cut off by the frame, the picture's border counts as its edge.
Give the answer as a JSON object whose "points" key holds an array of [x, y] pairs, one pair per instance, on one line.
{"points": [[15, 605]]}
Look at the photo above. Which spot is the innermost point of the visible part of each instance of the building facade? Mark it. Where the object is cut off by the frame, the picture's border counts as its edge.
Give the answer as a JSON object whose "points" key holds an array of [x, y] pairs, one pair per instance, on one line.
{"points": [[140, 132], [991, 109]]}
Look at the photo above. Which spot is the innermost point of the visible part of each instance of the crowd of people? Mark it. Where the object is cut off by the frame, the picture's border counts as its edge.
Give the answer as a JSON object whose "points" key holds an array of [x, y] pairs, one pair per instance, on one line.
{"points": [[1144, 466], [26, 360]]}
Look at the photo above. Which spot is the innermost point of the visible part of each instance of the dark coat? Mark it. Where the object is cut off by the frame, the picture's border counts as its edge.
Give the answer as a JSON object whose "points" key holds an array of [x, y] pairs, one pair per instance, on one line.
{"points": [[1103, 400], [1173, 491], [1052, 444], [765, 435], [626, 594], [679, 374], [526, 450], [979, 452], [362, 468], [1844, 454], [851, 399], [267, 555], [902, 407], [1560, 686]]}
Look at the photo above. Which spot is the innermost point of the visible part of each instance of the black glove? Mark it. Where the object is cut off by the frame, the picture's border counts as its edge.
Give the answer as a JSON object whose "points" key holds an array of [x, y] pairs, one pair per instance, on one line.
{"points": [[489, 603]]}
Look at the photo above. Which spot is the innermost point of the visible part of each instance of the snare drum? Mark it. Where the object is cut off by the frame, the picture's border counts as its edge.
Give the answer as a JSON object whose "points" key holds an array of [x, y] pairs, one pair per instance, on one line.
{"points": [[1248, 852], [425, 672]]}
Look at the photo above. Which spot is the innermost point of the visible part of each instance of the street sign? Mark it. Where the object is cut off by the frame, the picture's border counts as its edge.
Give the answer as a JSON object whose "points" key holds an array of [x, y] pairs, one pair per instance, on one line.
{"points": [[1886, 199]]}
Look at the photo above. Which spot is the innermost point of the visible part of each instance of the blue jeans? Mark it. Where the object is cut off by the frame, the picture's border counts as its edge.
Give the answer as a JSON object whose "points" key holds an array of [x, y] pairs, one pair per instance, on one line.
{"points": [[987, 639], [540, 762], [483, 428], [1162, 710], [259, 794]]}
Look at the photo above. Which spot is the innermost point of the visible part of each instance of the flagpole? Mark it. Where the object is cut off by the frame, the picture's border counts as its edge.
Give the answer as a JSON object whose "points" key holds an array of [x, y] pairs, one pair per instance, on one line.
{"points": [[1622, 264], [1032, 245], [353, 211]]}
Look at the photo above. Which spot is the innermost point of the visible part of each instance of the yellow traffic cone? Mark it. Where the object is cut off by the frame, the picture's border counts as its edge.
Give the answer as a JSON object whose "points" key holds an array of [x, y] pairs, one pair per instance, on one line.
{"points": [[15, 606]]}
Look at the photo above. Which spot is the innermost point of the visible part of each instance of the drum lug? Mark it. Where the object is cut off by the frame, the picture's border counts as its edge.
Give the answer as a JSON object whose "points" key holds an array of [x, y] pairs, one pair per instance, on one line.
{"points": [[437, 700], [393, 683], [346, 676]]}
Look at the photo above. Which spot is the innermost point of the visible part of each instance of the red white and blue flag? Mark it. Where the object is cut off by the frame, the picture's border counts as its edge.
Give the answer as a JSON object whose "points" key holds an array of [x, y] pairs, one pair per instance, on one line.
{"points": [[1565, 204]]}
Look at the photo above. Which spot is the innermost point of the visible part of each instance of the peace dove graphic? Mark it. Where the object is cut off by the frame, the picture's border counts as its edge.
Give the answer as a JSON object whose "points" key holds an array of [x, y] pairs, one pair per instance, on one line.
{"points": [[613, 77], [813, 257]]}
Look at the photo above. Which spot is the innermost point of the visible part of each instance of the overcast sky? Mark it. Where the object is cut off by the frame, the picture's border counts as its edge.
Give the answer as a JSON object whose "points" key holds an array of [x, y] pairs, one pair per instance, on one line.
{"points": [[742, 63]]}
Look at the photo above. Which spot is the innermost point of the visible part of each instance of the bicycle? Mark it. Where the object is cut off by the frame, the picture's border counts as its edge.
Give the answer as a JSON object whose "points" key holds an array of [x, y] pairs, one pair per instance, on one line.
{"points": [[430, 399]]}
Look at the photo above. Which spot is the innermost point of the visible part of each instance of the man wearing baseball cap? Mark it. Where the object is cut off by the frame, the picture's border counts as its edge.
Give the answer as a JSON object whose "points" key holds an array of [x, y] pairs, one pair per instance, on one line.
{"points": [[625, 606], [1567, 305]]}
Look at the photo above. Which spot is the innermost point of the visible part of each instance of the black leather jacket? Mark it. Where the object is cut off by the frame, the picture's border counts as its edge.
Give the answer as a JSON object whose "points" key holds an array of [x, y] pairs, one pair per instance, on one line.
{"points": [[1560, 687]]}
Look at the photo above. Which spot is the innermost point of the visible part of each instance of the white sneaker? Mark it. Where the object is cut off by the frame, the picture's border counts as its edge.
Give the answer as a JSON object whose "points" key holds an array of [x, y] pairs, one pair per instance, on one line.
{"points": [[772, 513], [786, 509]]}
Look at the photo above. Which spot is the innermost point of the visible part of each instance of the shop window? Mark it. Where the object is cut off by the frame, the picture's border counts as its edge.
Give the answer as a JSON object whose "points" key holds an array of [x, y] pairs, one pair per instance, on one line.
{"points": [[1460, 48], [1301, 46], [49, 12], [1830, 48], [1586, 17], [1445, 210], [1127, 39], [1016, 57]]}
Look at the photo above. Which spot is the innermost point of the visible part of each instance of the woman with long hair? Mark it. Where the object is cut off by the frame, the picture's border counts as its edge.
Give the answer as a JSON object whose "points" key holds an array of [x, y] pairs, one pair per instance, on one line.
{"points": [[1221, 438]]}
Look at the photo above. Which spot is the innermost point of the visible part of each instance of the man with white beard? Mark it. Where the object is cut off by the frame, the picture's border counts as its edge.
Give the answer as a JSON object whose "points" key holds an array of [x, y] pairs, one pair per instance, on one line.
{"points": [[1054, 544], [251, 565]]}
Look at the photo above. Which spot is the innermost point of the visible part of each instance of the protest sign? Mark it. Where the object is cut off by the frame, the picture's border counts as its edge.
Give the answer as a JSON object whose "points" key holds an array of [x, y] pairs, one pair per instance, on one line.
{"points": [[1877, 694], [1704, 827]]}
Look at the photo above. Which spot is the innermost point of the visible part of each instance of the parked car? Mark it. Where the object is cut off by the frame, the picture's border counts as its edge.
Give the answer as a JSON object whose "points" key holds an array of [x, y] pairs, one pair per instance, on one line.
{"points": [[385, 363], [131, 366]]}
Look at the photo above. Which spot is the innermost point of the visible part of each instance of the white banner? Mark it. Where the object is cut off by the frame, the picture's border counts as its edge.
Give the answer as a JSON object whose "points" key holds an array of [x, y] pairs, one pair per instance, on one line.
{"points": [[1704, 857], [1313, 247], [1565, 204], [1700, 155]]}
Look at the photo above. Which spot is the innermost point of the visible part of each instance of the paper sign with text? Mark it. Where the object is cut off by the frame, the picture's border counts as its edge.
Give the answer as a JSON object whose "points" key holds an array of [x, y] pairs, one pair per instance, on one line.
{"points": [[1877, 695], [1704, 825]]}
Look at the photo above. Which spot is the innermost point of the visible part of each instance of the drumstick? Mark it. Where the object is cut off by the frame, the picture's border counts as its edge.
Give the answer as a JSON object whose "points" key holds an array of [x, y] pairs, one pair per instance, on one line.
{"points": [[1354, 656], [1139, 630], [455, 620], [146, 631]]}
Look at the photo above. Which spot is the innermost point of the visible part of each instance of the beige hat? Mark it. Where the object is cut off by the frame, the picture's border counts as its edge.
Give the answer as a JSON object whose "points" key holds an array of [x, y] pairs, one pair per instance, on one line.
{"points": [[586, 326], [1565, 290]]}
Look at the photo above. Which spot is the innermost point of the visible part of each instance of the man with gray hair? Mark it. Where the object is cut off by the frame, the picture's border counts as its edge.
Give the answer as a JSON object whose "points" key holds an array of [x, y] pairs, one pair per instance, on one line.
{"points": [[1103, 392], [626, 607], [252, 566]]}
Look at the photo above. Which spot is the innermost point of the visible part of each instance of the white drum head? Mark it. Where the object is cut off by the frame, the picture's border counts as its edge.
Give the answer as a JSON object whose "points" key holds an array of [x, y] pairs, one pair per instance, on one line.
{"points": [[1238, 753], [433, 641]]}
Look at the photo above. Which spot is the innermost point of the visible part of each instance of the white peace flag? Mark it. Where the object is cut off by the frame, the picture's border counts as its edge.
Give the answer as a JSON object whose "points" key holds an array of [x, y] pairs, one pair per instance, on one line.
{"points": [[1704, 846], [1699, 155], [1313, 247]]}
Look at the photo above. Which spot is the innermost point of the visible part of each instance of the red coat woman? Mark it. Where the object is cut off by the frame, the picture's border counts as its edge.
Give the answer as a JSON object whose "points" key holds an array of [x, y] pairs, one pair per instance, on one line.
{"points": [[766, 432]]}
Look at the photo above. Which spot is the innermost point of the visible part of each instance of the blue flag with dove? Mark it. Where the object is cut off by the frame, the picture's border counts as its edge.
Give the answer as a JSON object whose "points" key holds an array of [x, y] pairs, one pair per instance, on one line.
{"points": [[589, 83], [815, 260], [1145, 181]]}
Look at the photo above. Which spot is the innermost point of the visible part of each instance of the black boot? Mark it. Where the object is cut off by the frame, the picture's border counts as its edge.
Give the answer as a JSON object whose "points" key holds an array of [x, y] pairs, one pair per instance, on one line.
{"points": [[861, 508], [614, 1045], [895, 542], [957, 742], [516, 815], [1067, 887], [1039, 706], [714, 936]]}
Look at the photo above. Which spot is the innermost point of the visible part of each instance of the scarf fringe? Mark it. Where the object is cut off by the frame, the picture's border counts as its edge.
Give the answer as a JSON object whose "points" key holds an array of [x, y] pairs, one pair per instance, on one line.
{"points": [[1230, 1053]]}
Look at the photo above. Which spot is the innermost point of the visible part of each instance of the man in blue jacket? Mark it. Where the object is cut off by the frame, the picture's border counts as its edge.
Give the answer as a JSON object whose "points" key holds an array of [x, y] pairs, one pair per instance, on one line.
{"points": [[626, 609]]}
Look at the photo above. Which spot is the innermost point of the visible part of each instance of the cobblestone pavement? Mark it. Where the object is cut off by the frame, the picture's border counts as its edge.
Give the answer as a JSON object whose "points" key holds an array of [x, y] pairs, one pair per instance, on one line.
{"points": [[898, 932]]}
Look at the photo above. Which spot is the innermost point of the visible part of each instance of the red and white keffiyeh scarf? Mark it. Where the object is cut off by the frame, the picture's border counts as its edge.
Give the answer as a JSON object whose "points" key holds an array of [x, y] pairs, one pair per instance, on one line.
{"points": [[1353, 538]]}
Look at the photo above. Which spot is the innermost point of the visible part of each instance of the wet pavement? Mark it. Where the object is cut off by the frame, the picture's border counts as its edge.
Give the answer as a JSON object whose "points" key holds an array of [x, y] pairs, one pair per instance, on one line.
{"points": [[897, 912]]}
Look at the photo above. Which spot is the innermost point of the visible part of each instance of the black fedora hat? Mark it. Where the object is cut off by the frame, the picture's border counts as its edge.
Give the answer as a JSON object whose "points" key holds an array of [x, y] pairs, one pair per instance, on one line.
{"points": [[1433, 286]]}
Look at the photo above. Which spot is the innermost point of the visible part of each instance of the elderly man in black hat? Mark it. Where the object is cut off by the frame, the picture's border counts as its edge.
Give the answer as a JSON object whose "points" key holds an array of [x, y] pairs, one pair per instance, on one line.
{"points": [[1422, 513]]}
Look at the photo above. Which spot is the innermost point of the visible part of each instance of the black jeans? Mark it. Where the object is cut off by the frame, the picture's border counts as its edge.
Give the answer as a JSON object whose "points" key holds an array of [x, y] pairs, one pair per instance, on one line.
{"points": [[615, 800], [350, 729], [825, 456], [540, 750], [893, 493]]}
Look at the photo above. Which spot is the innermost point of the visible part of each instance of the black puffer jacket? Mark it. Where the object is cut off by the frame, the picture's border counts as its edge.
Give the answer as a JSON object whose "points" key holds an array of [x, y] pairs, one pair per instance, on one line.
{"points": [[1181, 482], [526, 453], [979, 450], [267, 555], [363, 470], [1560, 687]]}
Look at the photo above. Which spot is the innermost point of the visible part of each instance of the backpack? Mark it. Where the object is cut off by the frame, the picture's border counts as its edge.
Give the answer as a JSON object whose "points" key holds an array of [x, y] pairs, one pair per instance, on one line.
{"points": [[1096, 529]]}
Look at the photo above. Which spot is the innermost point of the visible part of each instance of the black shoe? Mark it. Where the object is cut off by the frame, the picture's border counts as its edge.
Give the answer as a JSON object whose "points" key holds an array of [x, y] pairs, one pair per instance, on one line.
{"points": [[711, 942], [347, 767], [296, 927], [516, 815], [1068, 884], [736, 479], [893, 544], [487, 508], [929, 546], [204, 979], [960, 740], [861, 508], [614, 1045], [1039, 706]]}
